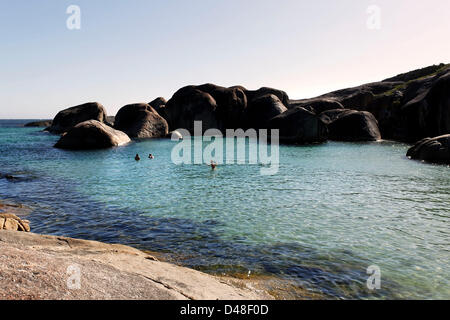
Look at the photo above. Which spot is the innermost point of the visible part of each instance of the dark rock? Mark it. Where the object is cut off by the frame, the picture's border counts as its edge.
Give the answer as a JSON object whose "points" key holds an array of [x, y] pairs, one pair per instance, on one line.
{"points": [[299, 126], [317, 105], [231, 103], [254, 94], [261, 110], [217, 107], [426, 109], [70, 117], [354, 126], [329, 116], [158, 103], [91, 134], [18, 176], [188, 105], [435, 150], [43, 123], [141, 121]]}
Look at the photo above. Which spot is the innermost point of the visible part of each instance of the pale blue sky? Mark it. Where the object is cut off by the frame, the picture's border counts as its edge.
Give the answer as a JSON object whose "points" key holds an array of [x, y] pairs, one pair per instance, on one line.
{"points": [[136, 50]]}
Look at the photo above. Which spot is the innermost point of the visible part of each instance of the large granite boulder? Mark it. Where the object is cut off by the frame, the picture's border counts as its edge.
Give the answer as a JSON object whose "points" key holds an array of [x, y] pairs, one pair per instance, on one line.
{"points": [[92, 134], [436, 150], [231, 103], [141, 121], [299, 126], [354, 125], [189, 105], [261, 110], [70, 117], [12, 222]]}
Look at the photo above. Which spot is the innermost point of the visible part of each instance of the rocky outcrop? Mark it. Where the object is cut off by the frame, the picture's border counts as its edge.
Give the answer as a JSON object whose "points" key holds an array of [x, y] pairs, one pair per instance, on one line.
{"points": [[425, 110], [49, 267], [70, 117], [299, 126], [408, 107], [351, 125], [261, 110], [141, 121], [12, 222], [435, 150], [217, 107], [92, 134], [37, 124]]}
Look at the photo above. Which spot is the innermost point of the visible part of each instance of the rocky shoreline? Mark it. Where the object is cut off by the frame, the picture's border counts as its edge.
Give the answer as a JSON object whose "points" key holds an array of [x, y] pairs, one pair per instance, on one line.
{"points": [[39, 267], [43, 267], [406, 108]]}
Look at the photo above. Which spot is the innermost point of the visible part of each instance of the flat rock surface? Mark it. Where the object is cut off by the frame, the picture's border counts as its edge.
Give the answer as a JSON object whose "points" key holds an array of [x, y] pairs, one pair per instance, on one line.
{"points": [[47, 267]]}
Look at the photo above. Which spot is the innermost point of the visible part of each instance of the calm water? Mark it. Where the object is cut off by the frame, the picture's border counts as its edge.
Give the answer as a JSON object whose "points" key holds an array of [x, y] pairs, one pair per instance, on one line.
{"points": [[332, 210]]}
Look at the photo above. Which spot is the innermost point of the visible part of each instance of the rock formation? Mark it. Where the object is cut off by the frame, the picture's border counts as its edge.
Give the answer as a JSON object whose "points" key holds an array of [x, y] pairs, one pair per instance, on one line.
{"points": [[91, 134], [141, 121], [70, 117]]}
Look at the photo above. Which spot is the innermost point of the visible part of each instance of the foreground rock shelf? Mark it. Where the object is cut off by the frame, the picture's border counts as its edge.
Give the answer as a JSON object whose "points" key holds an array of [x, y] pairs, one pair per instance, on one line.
{"points": [[39, 267]]}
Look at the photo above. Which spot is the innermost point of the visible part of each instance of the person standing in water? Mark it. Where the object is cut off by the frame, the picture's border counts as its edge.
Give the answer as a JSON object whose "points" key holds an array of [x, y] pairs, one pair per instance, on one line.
{"points": [[150, 156], [137, 158]]}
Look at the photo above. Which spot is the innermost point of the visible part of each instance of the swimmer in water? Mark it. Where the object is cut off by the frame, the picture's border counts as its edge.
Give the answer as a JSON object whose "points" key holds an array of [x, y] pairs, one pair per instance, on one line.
{"points": [[150, 156], [213, 165], [137, 158]]}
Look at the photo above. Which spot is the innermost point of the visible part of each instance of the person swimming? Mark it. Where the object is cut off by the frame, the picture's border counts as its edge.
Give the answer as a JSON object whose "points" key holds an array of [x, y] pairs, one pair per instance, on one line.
{"points": [[150, 156], [213, 165], [137, 158]]}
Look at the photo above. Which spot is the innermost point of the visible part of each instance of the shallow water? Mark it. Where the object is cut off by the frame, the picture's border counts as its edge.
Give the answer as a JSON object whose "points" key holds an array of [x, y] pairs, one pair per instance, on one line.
{"points": [[332, 211]]}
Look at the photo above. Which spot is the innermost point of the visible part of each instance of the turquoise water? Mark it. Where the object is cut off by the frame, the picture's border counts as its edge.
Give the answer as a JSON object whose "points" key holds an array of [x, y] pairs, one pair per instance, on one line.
{"points": [[332, 210]]}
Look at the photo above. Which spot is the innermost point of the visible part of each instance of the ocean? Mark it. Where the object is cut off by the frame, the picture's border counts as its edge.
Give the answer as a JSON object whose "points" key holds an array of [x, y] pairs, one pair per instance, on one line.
{"points": [[332, 211]]}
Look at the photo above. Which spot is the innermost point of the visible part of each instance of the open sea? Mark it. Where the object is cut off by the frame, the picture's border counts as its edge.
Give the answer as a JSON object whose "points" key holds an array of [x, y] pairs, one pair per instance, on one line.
{"points": [[332, 210]]}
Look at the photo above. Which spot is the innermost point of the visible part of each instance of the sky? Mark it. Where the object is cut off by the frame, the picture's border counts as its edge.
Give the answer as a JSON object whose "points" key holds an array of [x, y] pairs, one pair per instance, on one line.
{"points": [[136, 50]]}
